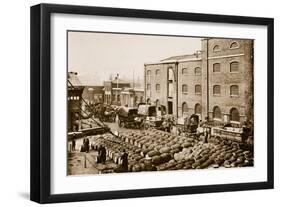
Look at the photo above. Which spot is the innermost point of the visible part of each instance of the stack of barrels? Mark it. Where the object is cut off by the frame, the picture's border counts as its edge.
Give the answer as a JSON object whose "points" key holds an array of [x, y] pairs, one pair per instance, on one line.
{"points": [[157, 150]]}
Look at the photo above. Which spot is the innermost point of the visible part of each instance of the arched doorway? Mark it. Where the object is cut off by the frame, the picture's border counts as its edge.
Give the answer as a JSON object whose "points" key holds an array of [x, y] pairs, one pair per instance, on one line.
{"points": [[198, 109], [184, 108], [234, 115], [217, 112]]}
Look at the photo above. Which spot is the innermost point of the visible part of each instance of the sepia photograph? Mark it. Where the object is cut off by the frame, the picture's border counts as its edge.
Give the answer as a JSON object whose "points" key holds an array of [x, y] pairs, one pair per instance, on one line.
{"points": [[146, 102]]}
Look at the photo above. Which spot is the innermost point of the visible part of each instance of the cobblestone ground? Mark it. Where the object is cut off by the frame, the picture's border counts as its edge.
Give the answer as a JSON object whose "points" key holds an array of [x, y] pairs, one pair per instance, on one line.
{"points": [[76, 159], [85, 163]]}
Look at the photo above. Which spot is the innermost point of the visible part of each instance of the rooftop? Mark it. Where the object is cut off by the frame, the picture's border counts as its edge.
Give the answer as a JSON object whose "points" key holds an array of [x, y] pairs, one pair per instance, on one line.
{"points": [[120, 81], [183, 57], [72, 77], [179, 58]]}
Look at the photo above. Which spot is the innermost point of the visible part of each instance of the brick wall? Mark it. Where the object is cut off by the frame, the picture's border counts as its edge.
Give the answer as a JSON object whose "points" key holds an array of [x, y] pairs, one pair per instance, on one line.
{"points": [[190, 79], [217, 51], [225, 78], [154, 79]]}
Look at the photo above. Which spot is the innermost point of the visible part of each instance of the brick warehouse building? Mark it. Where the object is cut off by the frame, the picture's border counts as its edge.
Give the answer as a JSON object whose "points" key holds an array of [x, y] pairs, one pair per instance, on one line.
{"points": [[216, 81]]}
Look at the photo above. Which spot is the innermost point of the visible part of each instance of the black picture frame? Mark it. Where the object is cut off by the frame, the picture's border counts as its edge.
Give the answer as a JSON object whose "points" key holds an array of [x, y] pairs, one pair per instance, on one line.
{"points": [[41, 96]]}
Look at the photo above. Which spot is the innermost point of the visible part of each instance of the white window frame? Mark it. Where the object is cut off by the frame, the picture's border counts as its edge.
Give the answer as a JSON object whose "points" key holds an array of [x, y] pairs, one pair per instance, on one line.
{"points": [[234, 61]]}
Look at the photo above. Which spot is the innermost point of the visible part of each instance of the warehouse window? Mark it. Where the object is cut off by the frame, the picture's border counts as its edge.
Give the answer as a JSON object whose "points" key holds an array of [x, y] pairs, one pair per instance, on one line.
{"points": [[216, 67], [216, 48], [171, 79], [198, 89], [234, 90], [234, 115], [184, 71], [197, 71], [184, 107], [234, 45], [157, 87], [184, 88], [234, 67], [157, 72], [148, 87], [217, 112], [198, 109], [217, 90], [148, 75]]}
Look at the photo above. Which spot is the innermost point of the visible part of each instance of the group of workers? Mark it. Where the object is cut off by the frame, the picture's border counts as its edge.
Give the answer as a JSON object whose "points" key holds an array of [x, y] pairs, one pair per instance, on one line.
{"points": [[101, 154], [84, 148], [101, 158]]}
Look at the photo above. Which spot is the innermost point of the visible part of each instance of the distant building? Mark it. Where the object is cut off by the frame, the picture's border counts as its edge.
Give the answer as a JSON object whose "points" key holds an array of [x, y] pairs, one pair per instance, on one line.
{"points": [[132, 97], [93, 94], [112, 91], [216, 82], [74, 101], [107, 92]]}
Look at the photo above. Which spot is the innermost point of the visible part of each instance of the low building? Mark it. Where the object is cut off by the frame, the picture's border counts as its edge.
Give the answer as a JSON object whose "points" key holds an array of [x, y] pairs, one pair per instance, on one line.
{"points": [[93, 94], [74, 101], [112, 91], [132, 97]]}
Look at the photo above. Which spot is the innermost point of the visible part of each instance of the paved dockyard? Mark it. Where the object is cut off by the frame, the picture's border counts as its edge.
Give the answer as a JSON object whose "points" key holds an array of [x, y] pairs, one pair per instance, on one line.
{"points": [[85, 163], [157, 150]]}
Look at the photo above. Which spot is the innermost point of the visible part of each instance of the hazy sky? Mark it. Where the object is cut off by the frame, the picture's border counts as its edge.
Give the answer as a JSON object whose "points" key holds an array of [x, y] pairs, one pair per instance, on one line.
{"points": [[97, 55]]}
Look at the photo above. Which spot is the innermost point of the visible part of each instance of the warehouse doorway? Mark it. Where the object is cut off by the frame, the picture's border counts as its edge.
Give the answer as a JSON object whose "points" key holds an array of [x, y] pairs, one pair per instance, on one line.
{"points": [[170, 107]]}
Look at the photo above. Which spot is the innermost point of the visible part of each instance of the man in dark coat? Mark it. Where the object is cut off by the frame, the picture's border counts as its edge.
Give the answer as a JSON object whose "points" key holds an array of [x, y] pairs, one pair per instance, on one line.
{"points": [[87, 145], [124, 160], [245, 134], [73, 142], [102, 154]]}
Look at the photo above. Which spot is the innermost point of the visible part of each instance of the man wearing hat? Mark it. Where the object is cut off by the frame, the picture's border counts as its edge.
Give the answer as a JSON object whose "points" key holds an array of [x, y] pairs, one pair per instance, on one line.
{"points": [[73, 142], [124, 159]]}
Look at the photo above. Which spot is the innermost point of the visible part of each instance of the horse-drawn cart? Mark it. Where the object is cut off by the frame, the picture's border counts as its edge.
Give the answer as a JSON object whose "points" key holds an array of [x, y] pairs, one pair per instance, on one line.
{"points": [[148, 117], [126, 117], [188, 125]]}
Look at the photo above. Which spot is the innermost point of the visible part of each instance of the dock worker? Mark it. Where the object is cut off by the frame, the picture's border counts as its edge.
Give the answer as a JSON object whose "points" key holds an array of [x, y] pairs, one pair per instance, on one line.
{"points": [[87, 144], [103, 154], [73, 142], [245, 134], [124, 160]]}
